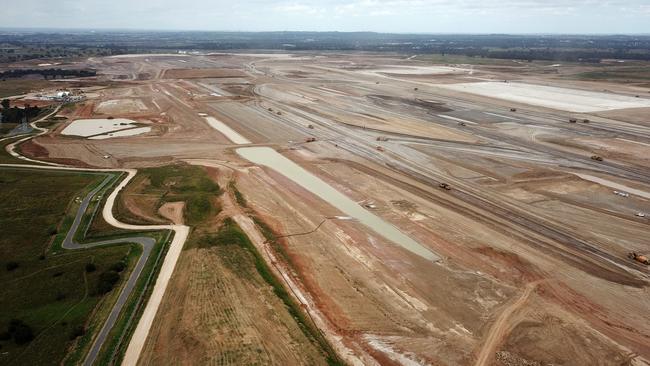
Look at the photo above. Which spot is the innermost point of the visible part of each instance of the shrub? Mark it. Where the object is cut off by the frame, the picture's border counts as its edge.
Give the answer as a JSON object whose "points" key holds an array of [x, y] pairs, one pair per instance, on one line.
{"points": [[11, 265], [21, 332], [51, 230], [118, 267], [5, 336], [77, 332], [90, 267], [107, 281]]}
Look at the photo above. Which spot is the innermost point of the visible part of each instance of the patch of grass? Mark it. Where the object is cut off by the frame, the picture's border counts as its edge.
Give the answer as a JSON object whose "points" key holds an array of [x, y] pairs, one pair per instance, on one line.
{"points": [[239, 253], [179, 182], [51, 294], [623, 74], [5, 158], [239, 197], [62, 298]]}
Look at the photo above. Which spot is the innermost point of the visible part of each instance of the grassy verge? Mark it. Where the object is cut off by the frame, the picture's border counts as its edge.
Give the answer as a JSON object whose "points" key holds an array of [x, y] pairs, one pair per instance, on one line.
{"points": [[113, 351], [5, 157], [232, 237], [239, 197]]}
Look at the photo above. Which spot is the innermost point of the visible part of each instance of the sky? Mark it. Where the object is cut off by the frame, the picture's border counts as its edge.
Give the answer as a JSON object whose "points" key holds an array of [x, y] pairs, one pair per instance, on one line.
{"points": [[398, 16]]}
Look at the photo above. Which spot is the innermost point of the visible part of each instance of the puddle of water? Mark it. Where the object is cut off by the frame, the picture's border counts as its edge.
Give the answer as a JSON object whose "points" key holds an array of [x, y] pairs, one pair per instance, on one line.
{"points": [[231, 134], [89, 127], [609, 183], [272, 159]]}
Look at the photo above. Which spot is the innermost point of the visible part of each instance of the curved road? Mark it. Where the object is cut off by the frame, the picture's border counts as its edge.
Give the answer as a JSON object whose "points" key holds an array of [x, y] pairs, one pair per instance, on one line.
{"points": [[180, 235]]}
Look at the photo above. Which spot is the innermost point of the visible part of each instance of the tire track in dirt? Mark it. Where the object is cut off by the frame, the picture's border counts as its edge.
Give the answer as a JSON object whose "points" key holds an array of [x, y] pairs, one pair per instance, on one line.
{"points": [[499, 330]]}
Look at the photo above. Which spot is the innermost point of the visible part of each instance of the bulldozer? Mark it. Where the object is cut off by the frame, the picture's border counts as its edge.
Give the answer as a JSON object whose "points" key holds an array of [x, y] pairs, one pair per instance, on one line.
{"points": [[639, 258]]}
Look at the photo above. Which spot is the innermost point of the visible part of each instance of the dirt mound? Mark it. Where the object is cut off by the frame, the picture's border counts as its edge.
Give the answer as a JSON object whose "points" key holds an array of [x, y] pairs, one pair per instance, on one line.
{"points": [[202, 73], [428, 105]]}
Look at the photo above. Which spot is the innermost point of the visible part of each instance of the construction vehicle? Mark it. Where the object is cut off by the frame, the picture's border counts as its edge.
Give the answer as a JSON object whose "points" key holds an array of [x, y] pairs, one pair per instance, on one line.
{"points": [[585, 121], [310, 139], [573, 120], [279, 113], [462, 124], [379, 148], [445, 186], [639, 258], [381, 138], [513, 109], [311, 127], [596, 157]]}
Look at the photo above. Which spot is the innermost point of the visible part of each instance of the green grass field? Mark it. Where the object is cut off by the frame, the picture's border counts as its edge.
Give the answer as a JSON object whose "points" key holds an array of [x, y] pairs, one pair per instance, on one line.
{"points": [[53, 295], [52, 300]]}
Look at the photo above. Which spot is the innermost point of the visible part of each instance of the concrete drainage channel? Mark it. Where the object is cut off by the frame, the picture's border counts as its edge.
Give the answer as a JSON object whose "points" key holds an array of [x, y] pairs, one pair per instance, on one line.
{"points": [[180, 235]]}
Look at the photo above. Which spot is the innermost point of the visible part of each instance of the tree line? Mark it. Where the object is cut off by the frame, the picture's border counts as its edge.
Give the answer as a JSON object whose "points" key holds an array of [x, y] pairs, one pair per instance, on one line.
{"points": [[47, 73], [17, 115]]}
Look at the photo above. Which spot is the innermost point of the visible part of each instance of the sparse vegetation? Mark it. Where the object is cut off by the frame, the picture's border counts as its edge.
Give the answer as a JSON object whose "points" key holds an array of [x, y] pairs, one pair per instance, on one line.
{"points": [[242, 256]]}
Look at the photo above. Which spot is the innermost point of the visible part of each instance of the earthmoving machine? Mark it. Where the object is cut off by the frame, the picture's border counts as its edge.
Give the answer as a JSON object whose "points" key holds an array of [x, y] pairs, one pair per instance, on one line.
{"points": [[462, 124], [445, 186], [379, 148], [310, 139], [311, 127], [573, 120], [381, 138], [639, 258], [513, 109], [596, 157], [585, 121]]}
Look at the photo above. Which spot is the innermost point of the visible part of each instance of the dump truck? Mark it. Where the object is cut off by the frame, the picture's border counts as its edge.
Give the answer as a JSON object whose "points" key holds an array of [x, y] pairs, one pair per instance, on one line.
{"points": [[310, 139], [639, 258], [573, 120], [445, 186], [596, 157], [513, 109], [585, 120]]}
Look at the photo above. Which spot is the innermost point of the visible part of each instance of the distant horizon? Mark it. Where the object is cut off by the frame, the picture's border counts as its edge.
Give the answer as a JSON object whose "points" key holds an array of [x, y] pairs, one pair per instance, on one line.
{"points": [[108, 29]]}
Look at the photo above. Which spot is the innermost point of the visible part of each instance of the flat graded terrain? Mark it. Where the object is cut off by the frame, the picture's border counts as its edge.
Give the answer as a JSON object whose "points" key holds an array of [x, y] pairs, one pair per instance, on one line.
{"points": [[527, 184]]}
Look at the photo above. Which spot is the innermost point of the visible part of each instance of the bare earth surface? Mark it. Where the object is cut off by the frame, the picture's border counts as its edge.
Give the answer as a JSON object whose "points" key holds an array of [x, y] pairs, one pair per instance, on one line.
{"points": [[531, 238]]}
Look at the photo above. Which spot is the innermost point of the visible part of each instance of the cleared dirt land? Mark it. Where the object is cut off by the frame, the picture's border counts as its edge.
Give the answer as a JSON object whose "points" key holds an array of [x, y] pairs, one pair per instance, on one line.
{"points": [[509, 185]]}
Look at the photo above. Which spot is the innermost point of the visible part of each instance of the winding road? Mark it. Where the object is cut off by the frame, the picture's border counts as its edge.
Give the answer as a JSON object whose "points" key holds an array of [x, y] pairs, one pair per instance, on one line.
{"points": [[180, 235]]}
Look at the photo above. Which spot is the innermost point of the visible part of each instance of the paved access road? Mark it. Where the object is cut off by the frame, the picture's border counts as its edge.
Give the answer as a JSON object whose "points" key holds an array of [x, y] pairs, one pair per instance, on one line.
{"points": [[180, 235]]}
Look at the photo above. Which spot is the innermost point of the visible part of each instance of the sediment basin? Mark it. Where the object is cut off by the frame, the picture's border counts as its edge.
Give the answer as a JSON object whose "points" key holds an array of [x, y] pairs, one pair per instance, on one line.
{"points": [[274, 160]]}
